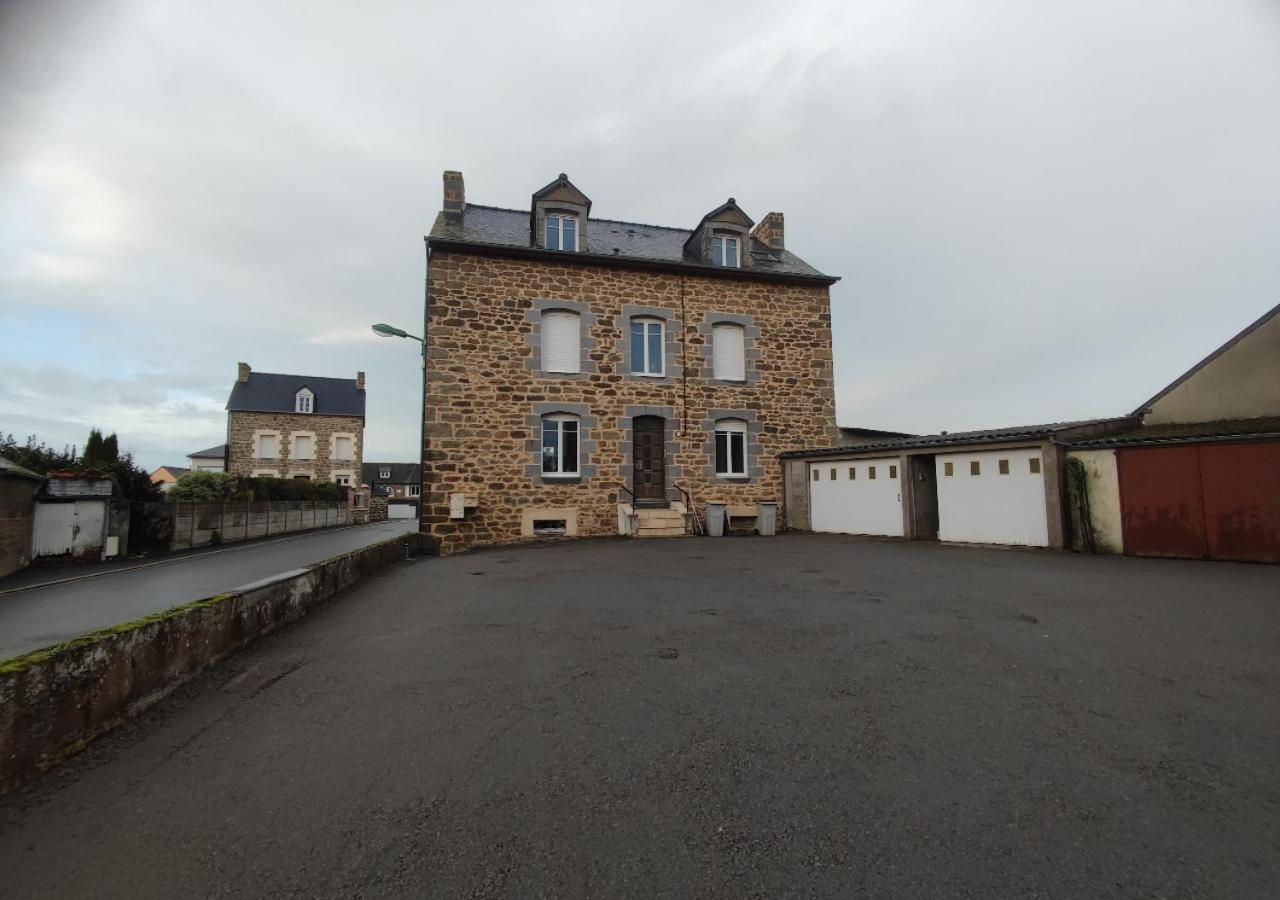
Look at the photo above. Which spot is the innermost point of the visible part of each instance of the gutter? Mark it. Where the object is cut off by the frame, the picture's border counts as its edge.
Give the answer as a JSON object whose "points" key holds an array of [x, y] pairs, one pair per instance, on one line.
{"points": [[624, 262]]}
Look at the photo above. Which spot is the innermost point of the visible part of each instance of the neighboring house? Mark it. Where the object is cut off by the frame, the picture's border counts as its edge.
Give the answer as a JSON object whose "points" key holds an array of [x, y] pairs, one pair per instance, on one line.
{"points": [[400, 483], [583, 374], [296, 426], [167, 476], [213, 459], [1200, 476], [18, 487], [996, 486]]}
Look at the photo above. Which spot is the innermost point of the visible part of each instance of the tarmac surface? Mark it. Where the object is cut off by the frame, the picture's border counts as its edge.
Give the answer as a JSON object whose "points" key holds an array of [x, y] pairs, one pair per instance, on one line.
{"points": [[805, 715], [38, 613]]}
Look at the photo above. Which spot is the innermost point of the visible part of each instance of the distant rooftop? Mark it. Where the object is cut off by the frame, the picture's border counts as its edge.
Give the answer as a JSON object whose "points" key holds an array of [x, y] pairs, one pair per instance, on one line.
{"points": [[276, 392]]}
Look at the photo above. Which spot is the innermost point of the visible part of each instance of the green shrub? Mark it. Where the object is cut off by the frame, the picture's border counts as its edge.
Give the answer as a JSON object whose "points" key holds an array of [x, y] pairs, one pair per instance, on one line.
{"points": [[218, 486]]}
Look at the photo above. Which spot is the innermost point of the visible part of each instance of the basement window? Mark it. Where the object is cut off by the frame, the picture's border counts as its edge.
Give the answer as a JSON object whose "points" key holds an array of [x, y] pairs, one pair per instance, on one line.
{"points": [[1035, 465], [549, 527]]}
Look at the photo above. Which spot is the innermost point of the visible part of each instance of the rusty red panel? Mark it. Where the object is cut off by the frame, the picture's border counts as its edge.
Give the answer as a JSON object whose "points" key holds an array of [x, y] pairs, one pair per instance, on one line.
{"points": [[1161, 510], [1241, 485]]}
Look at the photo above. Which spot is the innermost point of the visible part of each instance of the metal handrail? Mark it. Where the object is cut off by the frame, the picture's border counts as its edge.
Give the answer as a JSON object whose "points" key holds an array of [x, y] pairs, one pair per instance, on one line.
{"points": [[693, 510], [628, 490]]}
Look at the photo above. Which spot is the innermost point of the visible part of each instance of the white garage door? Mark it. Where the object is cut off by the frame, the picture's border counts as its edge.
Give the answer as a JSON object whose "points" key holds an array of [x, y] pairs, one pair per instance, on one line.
{"points": [[856, 496], [993, 497], [401, 511]]}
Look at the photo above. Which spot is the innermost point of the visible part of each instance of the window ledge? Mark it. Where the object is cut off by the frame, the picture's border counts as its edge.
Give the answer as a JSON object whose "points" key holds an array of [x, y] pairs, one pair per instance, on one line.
{"points": [[738, 477], [648, 374], [547, 476]]}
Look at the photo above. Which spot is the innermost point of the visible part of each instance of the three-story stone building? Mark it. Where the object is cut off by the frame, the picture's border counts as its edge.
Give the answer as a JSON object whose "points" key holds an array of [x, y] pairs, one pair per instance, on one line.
{"points": [[579, 368]]}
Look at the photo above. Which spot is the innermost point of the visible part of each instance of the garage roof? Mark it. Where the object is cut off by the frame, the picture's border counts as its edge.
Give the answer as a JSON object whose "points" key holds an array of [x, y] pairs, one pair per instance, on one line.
{"points": [[1052, 430], [1226, 430]]}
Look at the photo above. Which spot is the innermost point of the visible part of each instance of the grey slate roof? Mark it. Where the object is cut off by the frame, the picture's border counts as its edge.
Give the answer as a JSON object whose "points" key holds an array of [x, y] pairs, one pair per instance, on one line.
{"points": [[271, 392], [1263, 428], [8, 467], [962, 438], [401, 473], [494, 226], [218, 451]]}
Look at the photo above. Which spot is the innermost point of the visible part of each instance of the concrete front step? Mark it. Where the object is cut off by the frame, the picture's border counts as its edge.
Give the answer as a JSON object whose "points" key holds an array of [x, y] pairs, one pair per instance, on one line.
{"points": [[662, 533], [652, 523]]}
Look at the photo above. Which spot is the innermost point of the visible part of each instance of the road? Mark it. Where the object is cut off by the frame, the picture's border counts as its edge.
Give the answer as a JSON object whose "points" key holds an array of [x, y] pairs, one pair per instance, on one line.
{"points": [[39, 616], [804, 715]]}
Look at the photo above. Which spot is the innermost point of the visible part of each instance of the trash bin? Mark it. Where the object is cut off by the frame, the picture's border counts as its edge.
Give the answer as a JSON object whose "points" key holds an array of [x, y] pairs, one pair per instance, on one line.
{"points": [[767, 519], [715, 519]]}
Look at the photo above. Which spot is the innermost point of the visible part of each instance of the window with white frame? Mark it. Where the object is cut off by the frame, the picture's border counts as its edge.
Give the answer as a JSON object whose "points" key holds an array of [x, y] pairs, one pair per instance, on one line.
{"points": [[384, 473], [343, 447], [724, 251], [731, 448], [560, 446], [304, 401], [646, 346], [268, 446], [560, 231], [728, 352], [415, 490], [342, 478], [304, 446], [560, 340]]}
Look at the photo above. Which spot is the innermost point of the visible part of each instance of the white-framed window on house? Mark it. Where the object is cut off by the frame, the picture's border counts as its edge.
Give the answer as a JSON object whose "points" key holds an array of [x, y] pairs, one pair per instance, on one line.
{"points": [[342, 478], [728, 352], [731, 449], [561, 342], [415, 490], [560, 446], [265, 473], [725, 251], [384, 473], [560, 231], [304, 446], [268, 446], [343, 447], [646, 346], [304, 401]]}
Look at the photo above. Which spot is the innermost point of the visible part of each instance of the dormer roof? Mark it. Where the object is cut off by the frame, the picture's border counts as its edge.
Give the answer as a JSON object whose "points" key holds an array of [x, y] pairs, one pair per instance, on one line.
{"points": [[728, 214]]}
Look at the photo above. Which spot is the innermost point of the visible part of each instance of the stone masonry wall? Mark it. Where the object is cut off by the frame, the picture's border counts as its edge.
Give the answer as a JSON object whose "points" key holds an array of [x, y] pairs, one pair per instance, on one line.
{"points": [[485, 391], [241, 455], [17, 513]]}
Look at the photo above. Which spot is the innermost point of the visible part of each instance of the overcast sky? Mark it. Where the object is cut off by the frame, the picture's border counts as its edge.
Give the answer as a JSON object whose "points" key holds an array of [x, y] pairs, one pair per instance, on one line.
{"points": [[1040, 210]]}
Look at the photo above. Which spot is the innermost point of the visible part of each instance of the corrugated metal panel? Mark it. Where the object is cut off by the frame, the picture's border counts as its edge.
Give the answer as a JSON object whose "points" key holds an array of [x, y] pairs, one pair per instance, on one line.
{"points": [[728, 352], [560, 341], [1220, 501]]}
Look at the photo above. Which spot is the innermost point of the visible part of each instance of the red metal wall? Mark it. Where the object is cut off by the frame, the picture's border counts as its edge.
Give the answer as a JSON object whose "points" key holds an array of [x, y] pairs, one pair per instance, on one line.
{"points": [[1215, 501]]}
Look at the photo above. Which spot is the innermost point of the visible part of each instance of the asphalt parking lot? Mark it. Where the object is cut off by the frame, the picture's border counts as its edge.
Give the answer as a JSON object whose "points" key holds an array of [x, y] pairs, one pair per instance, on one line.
{"points": [[794, 716]]}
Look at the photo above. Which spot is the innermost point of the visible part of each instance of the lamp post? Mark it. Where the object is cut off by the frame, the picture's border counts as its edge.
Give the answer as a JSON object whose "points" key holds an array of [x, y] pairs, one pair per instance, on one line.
{"points": [[384, 330]]}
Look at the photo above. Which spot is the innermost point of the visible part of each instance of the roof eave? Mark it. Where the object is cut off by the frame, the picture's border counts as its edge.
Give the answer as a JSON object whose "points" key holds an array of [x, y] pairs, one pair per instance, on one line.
{"points": [[626, 262]]}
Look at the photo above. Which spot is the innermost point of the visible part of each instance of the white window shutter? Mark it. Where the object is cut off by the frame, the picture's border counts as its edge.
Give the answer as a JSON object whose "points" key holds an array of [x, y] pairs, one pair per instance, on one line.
{"points": [[560, 345], [728, 353]]}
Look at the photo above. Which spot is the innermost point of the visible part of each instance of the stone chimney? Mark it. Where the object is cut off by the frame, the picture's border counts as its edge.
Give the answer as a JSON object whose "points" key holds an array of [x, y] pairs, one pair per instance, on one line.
{"points": [[455, 196], [359, 381], [769, 232], [242, 372]]}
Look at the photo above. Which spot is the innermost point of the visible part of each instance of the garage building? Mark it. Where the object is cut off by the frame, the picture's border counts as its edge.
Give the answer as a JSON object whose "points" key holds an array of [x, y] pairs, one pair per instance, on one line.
{"points": [[998, 486]]}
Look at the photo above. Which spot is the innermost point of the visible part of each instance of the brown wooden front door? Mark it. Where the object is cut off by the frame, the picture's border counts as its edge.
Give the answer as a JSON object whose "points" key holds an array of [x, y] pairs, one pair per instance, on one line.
{"points": [[648, 473]]}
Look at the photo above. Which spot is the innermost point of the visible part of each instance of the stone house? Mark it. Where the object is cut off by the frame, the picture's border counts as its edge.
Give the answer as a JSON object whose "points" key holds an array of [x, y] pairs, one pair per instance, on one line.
{"points": [[296, 426], [399, 480], [18, 487], [588, 376]]}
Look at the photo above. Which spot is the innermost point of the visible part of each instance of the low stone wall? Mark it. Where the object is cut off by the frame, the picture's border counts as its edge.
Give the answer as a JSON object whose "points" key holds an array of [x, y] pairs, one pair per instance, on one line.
{"points": [[205, 524], [54, 701]]}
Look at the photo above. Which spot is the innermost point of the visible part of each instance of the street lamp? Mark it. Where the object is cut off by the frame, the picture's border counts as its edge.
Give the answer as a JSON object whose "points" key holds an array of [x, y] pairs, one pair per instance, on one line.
{"points": [[384, 330]]}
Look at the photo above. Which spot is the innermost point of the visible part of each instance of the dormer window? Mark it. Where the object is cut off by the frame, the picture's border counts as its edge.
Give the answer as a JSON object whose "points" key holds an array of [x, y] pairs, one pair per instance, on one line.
{"points": [[561, 232], [724, 251], [304, 401]]}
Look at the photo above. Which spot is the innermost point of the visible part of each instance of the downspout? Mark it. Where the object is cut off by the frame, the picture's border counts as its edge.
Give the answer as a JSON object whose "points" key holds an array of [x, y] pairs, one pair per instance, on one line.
{"points": [[684, 366]]}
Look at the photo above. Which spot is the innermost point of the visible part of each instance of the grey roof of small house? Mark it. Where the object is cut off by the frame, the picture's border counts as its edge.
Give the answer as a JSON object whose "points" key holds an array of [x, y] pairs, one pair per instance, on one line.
{"points": [[218, 451], [963, 438], [401, 473], [272, 392], [7, 467], [493, 226]]}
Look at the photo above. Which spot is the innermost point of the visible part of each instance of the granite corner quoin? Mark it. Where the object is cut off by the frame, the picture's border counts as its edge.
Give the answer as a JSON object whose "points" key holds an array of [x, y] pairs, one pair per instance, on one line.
{"points": [[485, 388]]}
